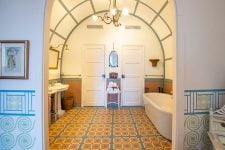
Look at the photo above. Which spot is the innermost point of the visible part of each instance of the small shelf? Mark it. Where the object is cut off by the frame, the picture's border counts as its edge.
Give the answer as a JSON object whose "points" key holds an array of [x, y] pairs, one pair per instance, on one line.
{"points": [[113, 92], [154, 62]]}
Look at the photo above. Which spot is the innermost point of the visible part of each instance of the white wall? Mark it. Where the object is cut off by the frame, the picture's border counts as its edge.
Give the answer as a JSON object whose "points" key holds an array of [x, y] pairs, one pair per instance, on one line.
{"points": [[72, 60], [23, 20], [200, 52], [204, 44], [169, 43], [201, 35]]}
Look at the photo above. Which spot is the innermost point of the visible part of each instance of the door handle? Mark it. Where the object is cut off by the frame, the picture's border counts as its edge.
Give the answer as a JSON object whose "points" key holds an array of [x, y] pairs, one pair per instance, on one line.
{"points": [[123, 76], [103, 75]]}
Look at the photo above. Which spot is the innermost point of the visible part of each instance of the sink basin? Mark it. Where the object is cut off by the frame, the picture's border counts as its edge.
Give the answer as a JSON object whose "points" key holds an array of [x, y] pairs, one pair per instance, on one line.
{"points": [[58, 87]]}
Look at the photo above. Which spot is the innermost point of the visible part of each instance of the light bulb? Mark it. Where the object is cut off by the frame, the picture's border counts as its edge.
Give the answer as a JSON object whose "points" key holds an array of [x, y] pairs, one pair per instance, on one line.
{"points": [[122, 28], [94, 17], [125, 11], [113, 11]]}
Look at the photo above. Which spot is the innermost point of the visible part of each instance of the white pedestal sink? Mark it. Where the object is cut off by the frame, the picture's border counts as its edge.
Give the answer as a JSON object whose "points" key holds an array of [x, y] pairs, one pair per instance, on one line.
{"points": [[56, 89]]}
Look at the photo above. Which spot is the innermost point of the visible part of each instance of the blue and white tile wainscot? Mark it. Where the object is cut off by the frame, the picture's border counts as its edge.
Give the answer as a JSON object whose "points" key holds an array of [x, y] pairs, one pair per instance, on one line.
{"points": [[17, 119], [196, 112]]}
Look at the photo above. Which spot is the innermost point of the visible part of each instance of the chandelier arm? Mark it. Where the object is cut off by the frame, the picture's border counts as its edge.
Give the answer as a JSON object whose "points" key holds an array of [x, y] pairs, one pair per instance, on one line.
{"points": [[107, 19], [109, 4], [116, 19], [111, 18], [100, 17]]}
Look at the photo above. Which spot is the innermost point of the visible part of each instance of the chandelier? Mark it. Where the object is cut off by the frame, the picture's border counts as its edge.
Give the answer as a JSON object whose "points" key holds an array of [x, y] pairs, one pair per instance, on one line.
{"points": [[112, 15]]}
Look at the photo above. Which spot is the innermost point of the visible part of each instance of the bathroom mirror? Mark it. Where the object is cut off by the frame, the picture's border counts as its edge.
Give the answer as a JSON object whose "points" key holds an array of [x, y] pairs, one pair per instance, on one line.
{"points": [[113, 59], [53, 59]]}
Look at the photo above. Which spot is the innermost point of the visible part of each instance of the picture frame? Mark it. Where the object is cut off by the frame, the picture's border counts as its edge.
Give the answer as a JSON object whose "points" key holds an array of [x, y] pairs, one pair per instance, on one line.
{"points": [[14, 59]]}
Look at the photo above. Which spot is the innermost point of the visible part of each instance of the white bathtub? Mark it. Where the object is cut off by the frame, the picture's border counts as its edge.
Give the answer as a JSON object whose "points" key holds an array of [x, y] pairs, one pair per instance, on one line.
{"points": [[158, 107]]}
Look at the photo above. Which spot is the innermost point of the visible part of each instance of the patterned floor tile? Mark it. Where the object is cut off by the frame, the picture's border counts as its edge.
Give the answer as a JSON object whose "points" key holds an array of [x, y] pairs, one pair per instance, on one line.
{"points": [[88, 111], [156, 142], [104, 111], [75, 130], [51, 140], [122, 119], [124, 130], [73, 111], [82, 119], [103, 119], [122, 111], [66, 143], [146, 129], [65, 119], [56, 128], [100, 130], [126, 143], [137, 110], [96, 143], [141, 118]]}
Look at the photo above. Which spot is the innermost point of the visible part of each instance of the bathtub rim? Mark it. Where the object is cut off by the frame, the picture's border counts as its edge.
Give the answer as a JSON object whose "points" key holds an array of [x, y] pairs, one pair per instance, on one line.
{"points": [[155, 105]]}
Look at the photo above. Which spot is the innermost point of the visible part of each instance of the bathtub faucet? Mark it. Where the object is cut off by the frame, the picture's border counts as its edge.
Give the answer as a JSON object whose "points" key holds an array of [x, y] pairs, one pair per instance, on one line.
{"points": [[160, 89]]}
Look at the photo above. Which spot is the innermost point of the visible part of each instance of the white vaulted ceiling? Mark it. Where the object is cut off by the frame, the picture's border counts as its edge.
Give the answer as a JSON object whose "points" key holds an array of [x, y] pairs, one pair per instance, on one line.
{"points": [[67, 14]]}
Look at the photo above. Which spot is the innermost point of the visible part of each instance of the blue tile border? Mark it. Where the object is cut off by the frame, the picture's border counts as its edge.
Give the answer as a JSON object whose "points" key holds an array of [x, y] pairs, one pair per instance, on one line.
{"points": [[17, 102], [205, 90], [200, 101]]}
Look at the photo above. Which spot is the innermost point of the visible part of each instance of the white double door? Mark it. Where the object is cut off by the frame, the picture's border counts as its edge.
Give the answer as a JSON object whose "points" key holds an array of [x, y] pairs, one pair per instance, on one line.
{"points": [[93, 76], [132, 75]]}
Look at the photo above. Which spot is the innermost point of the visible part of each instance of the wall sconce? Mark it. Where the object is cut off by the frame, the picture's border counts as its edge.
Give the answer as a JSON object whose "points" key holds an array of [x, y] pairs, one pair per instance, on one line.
{"points": [[154, 62], [65, 48]]}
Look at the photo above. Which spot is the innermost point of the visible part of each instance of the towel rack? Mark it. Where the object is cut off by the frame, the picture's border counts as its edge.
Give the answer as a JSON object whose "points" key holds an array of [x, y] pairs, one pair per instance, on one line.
{"points": [[69, 75], [149, 75]]}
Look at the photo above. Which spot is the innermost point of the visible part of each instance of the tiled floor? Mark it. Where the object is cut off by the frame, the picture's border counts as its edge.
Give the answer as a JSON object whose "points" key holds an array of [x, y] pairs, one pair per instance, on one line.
{"points": [[101, 128]]}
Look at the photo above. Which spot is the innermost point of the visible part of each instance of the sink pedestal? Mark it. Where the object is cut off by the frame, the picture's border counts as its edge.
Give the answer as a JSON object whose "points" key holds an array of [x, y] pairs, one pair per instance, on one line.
{"points": [[59, 111], [55, 106]]}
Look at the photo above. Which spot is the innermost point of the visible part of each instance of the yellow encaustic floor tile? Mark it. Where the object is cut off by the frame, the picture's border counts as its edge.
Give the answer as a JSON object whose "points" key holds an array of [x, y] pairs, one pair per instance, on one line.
{"points": [[106, 129]]}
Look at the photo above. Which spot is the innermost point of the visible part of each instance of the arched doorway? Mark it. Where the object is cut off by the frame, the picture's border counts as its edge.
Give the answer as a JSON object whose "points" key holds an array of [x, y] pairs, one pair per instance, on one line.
{"points": [[50, 4]]}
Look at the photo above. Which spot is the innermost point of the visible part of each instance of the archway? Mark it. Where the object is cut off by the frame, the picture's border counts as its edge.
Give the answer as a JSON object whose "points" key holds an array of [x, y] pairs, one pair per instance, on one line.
{"points": [[48, 8]]}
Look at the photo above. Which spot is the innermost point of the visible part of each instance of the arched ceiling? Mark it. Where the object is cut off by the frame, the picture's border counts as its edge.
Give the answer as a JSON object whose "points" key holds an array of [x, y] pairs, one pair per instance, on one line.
{"points": [[68, 14]]}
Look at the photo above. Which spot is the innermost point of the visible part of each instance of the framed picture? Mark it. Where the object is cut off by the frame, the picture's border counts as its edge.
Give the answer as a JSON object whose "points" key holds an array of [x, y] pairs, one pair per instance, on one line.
{"points": [[14, 59]]}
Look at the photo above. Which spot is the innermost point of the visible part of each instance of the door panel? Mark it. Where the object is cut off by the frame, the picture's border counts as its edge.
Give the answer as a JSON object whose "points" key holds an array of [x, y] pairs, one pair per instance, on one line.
{"points": [[132, 69], [93, 93], [94, 69], [94, 83], [133, 96], [93, 98]]}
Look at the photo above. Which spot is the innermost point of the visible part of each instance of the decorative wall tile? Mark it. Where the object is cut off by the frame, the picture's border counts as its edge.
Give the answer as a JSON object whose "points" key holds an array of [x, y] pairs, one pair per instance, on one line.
{"points": [[200, 101], [16, 102], [196, 137], [196, 112], [16, 132], [17, 119]]}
